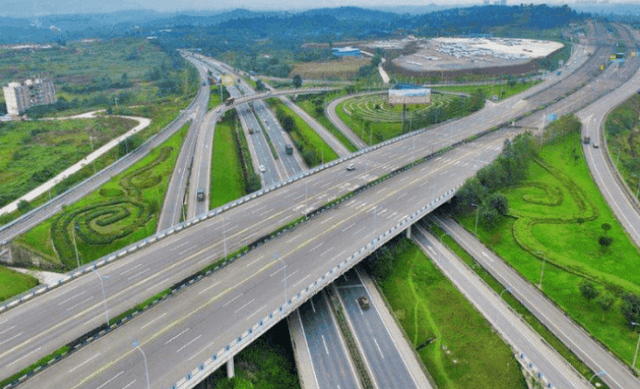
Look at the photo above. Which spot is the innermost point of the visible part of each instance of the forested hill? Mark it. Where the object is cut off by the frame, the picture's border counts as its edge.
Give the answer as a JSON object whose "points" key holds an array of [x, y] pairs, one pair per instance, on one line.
{"points": [[330, 24]]}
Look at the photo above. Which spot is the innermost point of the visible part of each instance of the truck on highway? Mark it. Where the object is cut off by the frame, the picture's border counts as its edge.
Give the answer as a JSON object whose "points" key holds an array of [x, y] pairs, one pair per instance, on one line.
{"points": [[288, 149], [586, 140], [250, 130], [229, 101]]}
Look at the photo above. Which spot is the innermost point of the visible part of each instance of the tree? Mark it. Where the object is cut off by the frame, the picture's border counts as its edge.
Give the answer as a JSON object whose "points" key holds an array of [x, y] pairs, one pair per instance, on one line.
{"points": [[605, 241], [605, 301], [631, 308], [489, 217], [260, 86], [499, 202], [24, 206], [606, 227], [589, 291], [297, 81]]}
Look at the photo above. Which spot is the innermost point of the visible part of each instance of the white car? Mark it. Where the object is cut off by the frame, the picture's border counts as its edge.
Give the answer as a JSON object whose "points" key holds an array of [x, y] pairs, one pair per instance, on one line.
{"points": [[262, 169], [351, 167]]}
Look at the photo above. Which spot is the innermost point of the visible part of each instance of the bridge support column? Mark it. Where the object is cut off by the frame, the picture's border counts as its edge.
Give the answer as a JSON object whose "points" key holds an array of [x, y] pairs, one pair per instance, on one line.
{"points": [[409, 231], [230, 368]]}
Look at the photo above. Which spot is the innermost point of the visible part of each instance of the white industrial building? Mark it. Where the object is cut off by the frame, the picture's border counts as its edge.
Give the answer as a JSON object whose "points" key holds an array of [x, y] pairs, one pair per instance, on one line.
{"points": [[20, 96]]}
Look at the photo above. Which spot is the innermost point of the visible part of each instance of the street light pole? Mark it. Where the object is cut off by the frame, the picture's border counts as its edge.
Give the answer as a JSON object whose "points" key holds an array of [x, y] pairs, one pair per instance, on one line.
{"points": [[637, 346], [509, 289], [73, 234], [544, 260], [599, 374], [146, 367], [477, 214], [104, 296]]}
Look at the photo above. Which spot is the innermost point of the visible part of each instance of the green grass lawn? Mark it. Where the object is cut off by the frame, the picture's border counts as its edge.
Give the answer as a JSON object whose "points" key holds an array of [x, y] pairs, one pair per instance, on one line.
{"points": [[502, 91], [214, 97], [122, 211], [567, 354], [560, 215], [33, 152], [305, 134], [13, 283], [309, 108], [457, 345], [227, 181]]}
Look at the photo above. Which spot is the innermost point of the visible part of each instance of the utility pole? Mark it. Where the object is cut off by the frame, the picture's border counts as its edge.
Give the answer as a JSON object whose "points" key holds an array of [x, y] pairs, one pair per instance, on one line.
{"points": [[73, 235]]}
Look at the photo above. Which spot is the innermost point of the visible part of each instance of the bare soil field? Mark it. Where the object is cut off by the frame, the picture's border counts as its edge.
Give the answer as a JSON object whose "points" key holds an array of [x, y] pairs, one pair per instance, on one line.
{"points": [[342, 68]]}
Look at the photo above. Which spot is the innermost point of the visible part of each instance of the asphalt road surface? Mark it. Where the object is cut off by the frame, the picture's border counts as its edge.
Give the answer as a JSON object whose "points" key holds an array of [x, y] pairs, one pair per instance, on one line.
{"points": [[331, 363], [524, 339], [191, 326], [573, 336]]}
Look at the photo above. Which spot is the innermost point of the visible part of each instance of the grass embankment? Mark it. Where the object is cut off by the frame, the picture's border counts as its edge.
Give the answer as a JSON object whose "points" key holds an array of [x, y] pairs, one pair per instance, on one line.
{"points": [[227, 182], [121, 212], [317, 112], [623, 140], [560, 215], [524, 313], [33, 152], [375, 121], [501, 91], [313, 149], [13, 283], [456, 344], [266, 363], [214, 96]]}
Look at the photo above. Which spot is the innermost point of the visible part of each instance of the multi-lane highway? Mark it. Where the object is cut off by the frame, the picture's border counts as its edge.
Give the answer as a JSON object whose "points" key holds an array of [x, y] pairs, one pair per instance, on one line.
{"points": [[187, 329], [194, 240]]}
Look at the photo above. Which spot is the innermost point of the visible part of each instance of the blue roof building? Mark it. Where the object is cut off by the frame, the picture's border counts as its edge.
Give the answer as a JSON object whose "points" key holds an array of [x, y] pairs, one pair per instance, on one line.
{"points": [[346, 52]]}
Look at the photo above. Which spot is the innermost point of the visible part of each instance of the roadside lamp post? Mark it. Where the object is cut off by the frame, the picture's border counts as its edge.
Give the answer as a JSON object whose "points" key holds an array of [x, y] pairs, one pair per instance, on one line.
{"points": [[599, 374], [477, 215], [104, 295], [507, 289], [146, 367], [633, 324], [544, 260]]}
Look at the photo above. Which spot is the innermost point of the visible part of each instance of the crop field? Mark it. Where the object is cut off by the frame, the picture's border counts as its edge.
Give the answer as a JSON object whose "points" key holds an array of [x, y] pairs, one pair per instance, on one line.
{"points": [[121, 212], [559, 216], [341, 69], [32, 152], [457, 345]]}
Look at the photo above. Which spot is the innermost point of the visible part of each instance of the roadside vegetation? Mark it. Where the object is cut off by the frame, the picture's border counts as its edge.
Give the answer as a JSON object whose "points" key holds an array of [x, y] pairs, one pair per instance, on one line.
{"points": [[375, 121], [122, 211], [313, 149], [267, 363], [527, 199], [214, 96], [13, 283], [623, 140], [455, 343], [33, 152], [314, 105], [500, 91], [227, 177]]}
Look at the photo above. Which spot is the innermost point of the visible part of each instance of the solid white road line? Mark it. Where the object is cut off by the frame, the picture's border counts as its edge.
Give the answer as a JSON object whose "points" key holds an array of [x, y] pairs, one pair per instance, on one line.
{"points": [[325, 345], [380, 351]]}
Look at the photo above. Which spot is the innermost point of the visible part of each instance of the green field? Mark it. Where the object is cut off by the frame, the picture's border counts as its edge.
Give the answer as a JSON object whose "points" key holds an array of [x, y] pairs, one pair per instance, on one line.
{"points": [[501, 91], [267, 363], [309, 107], [227, 181], [559, 215], [526, 315], [456, 344], [33, 152], [122, 211], [13, 283], [313, 149]]}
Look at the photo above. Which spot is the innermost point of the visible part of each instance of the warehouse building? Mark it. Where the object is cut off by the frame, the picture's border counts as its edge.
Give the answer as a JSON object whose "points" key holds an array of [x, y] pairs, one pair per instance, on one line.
{"points": [[346, 52], [20, 96]]}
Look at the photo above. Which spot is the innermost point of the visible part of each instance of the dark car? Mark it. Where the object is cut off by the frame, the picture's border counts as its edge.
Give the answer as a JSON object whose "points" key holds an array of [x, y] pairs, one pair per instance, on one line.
{"points": [[364, 303], [200, 194]]}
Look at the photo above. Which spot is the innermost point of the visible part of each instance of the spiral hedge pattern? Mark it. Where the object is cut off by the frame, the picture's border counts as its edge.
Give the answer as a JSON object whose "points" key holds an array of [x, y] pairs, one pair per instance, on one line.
{"points": [[122, 213], [376, 109]]}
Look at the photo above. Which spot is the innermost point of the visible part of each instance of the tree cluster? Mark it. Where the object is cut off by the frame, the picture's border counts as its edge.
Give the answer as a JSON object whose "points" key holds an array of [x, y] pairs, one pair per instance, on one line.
{"points": [[508, 169]]}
